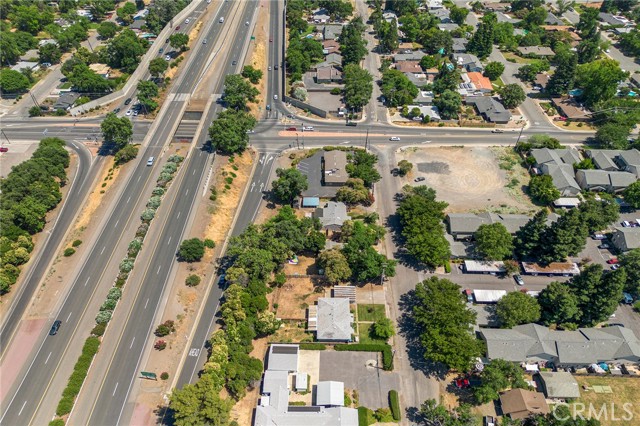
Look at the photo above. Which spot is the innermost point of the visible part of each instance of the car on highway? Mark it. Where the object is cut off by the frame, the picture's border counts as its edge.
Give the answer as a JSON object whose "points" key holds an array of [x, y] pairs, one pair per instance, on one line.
{"points": [[186, 21], [234, 63], [247, 23], [270, 40], [221, 20], [275, 67], [178, 28], [352, 123], [128, 101], [268, 107], [269, 68], [4, 149], [55, 327], [497, 131], [394, 138], [275, 97], [518, 279], [291, 129], [419, 179], [613, 261], [204, 41], [128, 113], [307, 128], [150, 161], [161, 51]]}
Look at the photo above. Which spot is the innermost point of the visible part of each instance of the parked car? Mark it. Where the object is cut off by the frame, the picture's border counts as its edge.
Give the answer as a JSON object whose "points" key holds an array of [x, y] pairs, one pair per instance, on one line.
{"points": [[599, 237], [419, 179], [234, 63], [178, 28], [291, 129], [614, 267], [4, 149], [518, 279], [613, 261], [55, 327], [604, 246], [462, 383], [128, 101], [394, 138], [497, 131], [626, 223], [128, 113], [161, 50]]}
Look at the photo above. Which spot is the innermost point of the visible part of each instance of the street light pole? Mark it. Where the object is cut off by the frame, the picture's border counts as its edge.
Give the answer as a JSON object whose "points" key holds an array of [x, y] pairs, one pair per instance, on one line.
{"points": [[520, 135]]}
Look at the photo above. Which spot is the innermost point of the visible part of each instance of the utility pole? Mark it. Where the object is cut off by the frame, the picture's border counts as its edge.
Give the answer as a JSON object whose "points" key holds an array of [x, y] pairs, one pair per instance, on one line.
{"points": [[520, 135], [33, 98], [5, 135], [366, 141]]}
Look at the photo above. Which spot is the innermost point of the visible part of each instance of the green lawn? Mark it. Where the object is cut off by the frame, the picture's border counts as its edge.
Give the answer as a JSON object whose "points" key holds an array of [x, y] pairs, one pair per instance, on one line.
{"points": [[66, 85], [370, 312], [365, 334], [518, 59]]}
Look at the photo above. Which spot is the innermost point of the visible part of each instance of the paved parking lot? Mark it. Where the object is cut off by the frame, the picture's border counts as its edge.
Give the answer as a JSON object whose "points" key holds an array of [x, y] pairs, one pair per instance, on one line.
{"points": [[19, 151], [312, 168], [373, 384]]}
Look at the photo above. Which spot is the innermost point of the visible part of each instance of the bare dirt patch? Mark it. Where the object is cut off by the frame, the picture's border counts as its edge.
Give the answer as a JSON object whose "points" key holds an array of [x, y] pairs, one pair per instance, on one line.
{"points": [[469, 179], [295, 296], [258, 55]]}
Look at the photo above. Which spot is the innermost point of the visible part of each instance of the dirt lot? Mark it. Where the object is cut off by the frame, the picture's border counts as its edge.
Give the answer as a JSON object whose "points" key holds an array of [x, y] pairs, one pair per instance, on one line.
{"points": [[471, 179], [624, 390]]}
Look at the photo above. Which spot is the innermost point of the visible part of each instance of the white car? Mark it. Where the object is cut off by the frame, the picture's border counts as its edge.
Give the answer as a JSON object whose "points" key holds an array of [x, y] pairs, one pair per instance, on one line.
{"points": [[307, 128], [167, 58], [394, 138], [247, 23], [186, 21], [135, 113], [128, 113], [275, 97]]}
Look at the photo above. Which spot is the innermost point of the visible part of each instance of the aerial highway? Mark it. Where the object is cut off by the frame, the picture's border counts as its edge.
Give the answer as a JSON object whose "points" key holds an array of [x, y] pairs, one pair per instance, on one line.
{"points": [[36, 384]]}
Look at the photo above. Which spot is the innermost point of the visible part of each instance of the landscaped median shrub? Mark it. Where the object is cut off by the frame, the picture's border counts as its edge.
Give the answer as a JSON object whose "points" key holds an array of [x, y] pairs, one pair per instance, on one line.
{"points": [[394, 403], [56, 422], [312, 346], [69, 251], [80, 370], [387, 354]]}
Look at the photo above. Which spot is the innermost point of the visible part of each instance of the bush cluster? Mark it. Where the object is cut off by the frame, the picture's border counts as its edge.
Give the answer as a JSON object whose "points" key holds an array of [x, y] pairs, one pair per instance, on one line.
{"points": [[80, 370], [394, 404], [312, 346]]}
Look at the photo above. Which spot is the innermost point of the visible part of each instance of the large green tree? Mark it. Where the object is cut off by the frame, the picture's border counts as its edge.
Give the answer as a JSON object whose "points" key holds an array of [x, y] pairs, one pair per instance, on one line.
{"points": [[397, 89], [290, 184], [512, 95], [564, 78], [432, 414], [238, 92], [445, 323], [228, 132], [517, 308], [179, 41], [494, 70], [632, 194], [493, 241], [559, 305], [352, 44], [358, 86], [116, 130], [13, 81], [107, 30], [335, 265], [630, 262], [481, 42], [527, 242], [613, 136], [599, 80], [199, 404], [125, 50], [363, 166], [147, 92], [49, 53], [542, 189], [158, 66], [497, 376], [565, 237], [448, 103]]}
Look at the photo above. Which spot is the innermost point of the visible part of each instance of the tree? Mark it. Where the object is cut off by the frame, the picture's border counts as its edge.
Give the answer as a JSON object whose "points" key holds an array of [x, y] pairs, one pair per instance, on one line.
{"points": [[267, 323], [124, 50], [365, 262], [493, 70], [383, 328], [599, 80], [147, 91], [613, 136], [358, 86], [107, 30], [441, 314], [512, 95], [126, 12], [397, 89], [252, 74], [116, 130], [449, 103], [352, 44], [428, 61], [35, 111], [335, 265], [493, 241], [387, 36], [436, 41], [517, 308], [497, 376], [541, 188], [630, 262], [191, 250], [564, 5], [179, 41], [49, 53], [84, 79], [481, 42], [565, 237], [238, 92], [528, 72], [558, 305], [30, 18], [596, 215], [447, 79], [563, 79], [290, 183], [404, 167], [13, 81], [458, 14], [126, 154], [353, 192], [528, 238], [158, 66], [228, 133], [632, 194], [200, 403], [337, 9], [597, 293]]}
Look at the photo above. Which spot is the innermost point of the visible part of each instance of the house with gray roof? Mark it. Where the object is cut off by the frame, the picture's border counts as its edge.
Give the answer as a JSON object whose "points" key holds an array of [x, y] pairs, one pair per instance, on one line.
{"points": [[537, 51], [331, 31], [625, 239], [334, 168], [614, 20], [332, 215], [334, 320], [463, 225], [558, 385], [413, 56], [604, 181], [321, 16], [448, 27], [442, 15], [418, 80], [616, 160], [424, 98], [468, 61], [579, 348], [490, 109], [555, 156], [552, 19], [603, 162], [558, 163], [460, 45], [629, 161], [506, 18], [283, 357]]}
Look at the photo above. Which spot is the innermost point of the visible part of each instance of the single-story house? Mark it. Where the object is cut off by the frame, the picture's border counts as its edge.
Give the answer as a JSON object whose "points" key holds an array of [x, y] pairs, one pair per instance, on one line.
{"points": [[484, 267], [431, 111], [521, 403], [321, 16], [30, 55], [565, 269], [614, 160], [330, 46], [137, 25], [423, 98], [629, 161], [404, 47], [603, 180], [434, 4], [625, 239], [552, 19], [413, 56], [66, 100], [490, 109], [497, 6], [536, 51], [442, 15], [334, 168], [330, 394], [389, 15], [332, 215], [409, 66], [331, 31], [333, 323], [558, 385], [579, 348], [328, 74], [332, 59], [567, 202], [615, 20], [570, 109], [102, 70], [542, 80], [33, 66], [468, 61], [46, 41], [562, 176], [418, 79], [283, 357], [479, 81], [622, 30], [460, 45], [448, 27], [506, 18], [463, 225], [555, 156]]}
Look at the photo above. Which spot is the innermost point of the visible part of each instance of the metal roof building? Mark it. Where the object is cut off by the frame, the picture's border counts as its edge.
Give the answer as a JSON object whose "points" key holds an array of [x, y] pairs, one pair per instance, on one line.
{"points": [[330, 394], [334, 320], [283, 357], [488, 296]]}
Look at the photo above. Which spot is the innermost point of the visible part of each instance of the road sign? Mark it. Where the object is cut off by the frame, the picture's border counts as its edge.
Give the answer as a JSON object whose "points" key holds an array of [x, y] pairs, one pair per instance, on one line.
{"points": [[148, 375]]}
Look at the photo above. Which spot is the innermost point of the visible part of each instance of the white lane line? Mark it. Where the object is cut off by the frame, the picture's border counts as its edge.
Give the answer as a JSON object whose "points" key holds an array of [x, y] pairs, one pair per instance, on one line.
{"points": [[117, 222], [158, 271], [139, 178], [169, 240], [186, 192], [194, 172], [47, 360], [132, 340], [103, 248], [146, 303], [114, 390], [69, 317], [128, 199], [22, 408], [178, 216], [87, 281]]}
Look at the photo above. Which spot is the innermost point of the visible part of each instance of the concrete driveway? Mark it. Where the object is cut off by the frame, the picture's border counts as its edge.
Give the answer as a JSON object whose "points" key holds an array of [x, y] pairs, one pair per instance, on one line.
{"points": [[373, 384]]}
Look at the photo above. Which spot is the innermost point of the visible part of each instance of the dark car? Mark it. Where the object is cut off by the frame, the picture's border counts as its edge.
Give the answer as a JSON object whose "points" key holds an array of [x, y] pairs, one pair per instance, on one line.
{"points": [[291, 129], [178, 28], [128, 101], [234, 63], [270, 40], [4, 149], [117, 110], [275, 67], [419, 179], [55, 327], [352, 123]]}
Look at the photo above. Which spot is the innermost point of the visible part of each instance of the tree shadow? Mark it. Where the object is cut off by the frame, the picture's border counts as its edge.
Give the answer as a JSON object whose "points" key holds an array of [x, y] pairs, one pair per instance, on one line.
{"points": [[164, 415]]}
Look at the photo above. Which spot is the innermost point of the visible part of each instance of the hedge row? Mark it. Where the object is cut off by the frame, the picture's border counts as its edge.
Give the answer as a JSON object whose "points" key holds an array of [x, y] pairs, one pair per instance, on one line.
{"points": [[313, 346], [363, 416], [394, 404], [80, 370], [387, 354]]}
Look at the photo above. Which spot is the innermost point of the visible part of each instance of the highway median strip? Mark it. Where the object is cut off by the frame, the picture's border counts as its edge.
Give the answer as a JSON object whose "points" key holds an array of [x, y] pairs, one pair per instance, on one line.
{"points": [[92, 344]]}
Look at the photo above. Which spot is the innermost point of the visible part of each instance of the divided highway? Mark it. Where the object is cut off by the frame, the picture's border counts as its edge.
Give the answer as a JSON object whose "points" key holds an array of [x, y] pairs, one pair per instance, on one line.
{"points": [[23, 401]]}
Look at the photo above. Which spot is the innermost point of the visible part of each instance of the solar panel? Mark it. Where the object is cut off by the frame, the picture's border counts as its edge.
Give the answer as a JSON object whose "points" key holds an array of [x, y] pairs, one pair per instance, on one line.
{"points": [[284, 349], [303, 409]]}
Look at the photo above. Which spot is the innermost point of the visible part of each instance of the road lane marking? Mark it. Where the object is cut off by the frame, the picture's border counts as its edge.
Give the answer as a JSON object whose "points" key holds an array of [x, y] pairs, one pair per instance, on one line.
{"points": [[159, 267], [178, 216], [128, 199], [22, 408], [168, 241], [117, 222], [132, 340], [47, 360], [146, 303], [69, 317], [187, 191], [103, 248], [139, 178], [194, 172], [114, 390], [85, 283]]}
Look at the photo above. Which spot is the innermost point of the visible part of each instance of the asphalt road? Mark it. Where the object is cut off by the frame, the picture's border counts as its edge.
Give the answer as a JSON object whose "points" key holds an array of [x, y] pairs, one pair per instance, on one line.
{"points": [[71, 204], [25, 398], [112, 399]]}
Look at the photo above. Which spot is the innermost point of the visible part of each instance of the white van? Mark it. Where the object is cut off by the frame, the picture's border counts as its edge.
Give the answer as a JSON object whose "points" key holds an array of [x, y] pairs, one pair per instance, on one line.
{"points": [[221, 20]]}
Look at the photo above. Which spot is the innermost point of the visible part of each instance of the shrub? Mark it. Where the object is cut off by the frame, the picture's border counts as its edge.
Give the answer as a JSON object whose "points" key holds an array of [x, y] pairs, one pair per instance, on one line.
{"points": [[636, 306], [209, 243], [214, 194], [170, 168], [126, 265], [76, 243], [98, 330], [363, 416], [76, 379], [336, 91], [447, 267], [114, 294], [108, 305], [103, 317], [162, 330], [192, 280], [228, 180], [157, 191], [126, 154], [279, 279], [164, 376], [69, 251], [312, 346], [175, 158], [191, 250], [394, 404], [134, 247], [347, 400], [142, 230], [154, 202], [148, 215], [56, 422], [160, 345]]}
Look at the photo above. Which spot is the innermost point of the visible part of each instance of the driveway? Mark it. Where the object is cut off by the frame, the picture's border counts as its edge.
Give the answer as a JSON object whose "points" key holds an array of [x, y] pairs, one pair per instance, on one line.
{"points": [[373, 384]]}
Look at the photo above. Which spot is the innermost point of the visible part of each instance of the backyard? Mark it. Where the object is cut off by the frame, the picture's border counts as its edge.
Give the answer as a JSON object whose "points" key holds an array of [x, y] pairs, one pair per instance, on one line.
{"points": [[624, 390]]}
